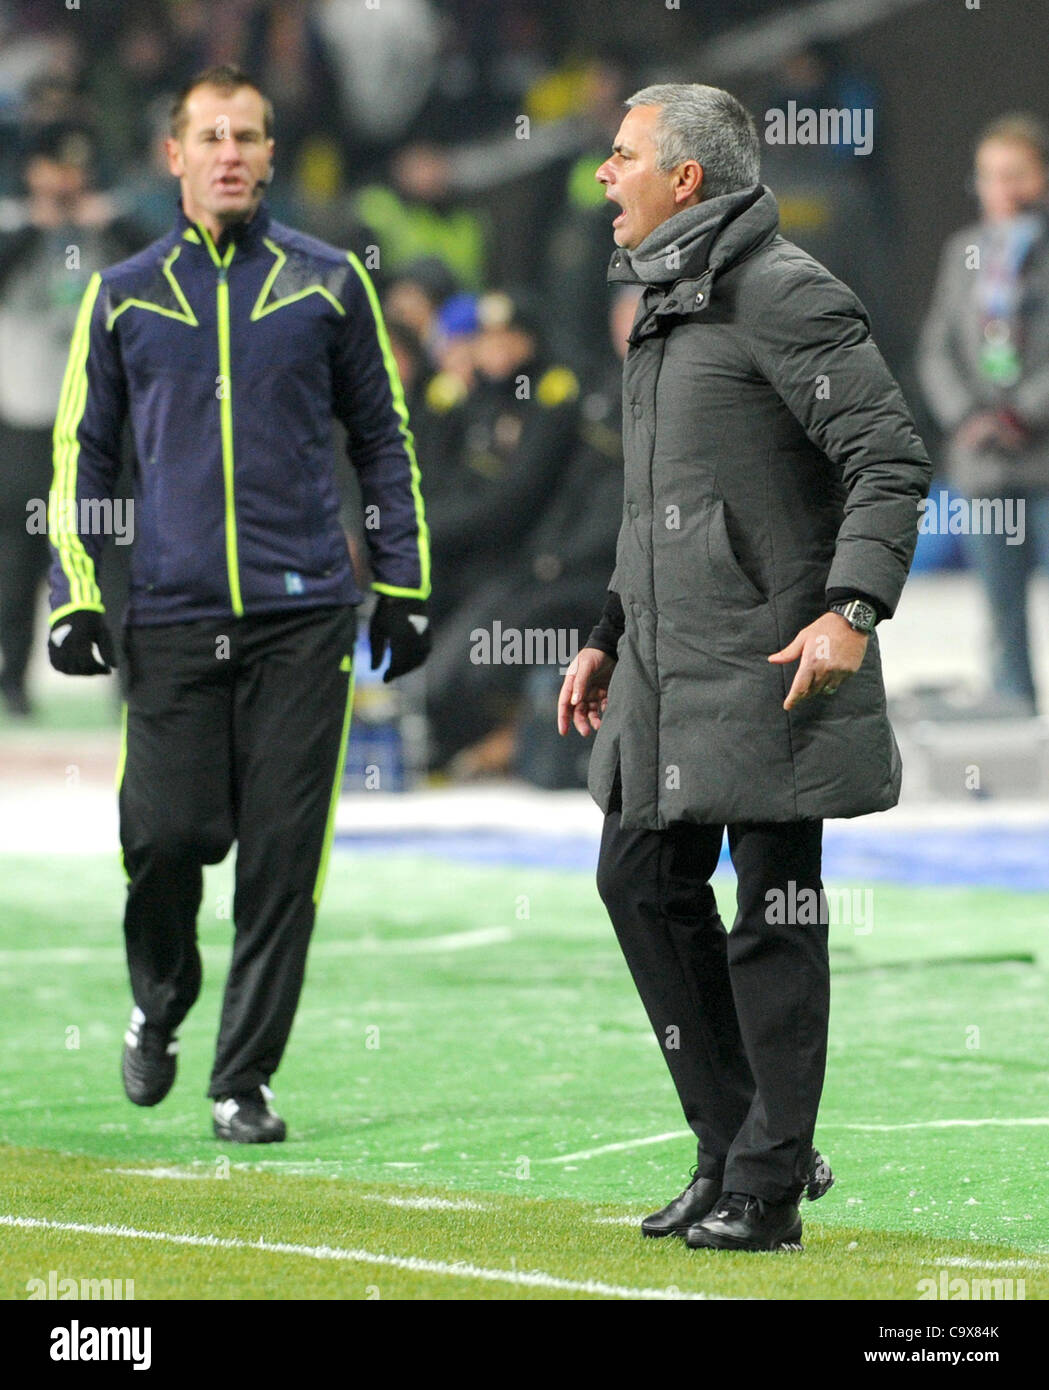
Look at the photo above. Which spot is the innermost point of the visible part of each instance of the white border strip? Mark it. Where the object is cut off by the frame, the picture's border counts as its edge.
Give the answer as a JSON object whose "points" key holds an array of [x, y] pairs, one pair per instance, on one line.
{"points": [[617, 1148], [532, 1279], [1006, 1122], [968, 1262], [350, 946], [1034, 1120]]}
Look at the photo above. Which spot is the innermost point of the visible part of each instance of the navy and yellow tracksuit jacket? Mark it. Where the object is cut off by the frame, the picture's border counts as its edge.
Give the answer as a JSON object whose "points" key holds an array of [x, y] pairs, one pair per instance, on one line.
{"points": [[231, 361]]}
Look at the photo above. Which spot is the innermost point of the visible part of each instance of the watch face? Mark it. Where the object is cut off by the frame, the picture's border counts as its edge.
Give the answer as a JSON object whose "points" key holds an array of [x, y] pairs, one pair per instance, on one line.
{"points": [[861, 615]]}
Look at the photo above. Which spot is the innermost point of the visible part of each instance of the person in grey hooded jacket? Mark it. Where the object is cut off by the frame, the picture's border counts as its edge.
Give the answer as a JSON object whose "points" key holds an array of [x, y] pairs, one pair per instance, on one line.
{"points": [[984, 365], [773, 480]]}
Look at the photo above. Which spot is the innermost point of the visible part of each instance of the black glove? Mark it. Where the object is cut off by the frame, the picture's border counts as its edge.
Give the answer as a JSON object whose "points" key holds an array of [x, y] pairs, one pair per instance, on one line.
{"points": [[404, 624], [72, 638]]}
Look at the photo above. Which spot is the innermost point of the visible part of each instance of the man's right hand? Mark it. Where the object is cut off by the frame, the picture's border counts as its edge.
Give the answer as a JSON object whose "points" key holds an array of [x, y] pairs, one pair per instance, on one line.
{"points": [[72, 640], [584, 694]]}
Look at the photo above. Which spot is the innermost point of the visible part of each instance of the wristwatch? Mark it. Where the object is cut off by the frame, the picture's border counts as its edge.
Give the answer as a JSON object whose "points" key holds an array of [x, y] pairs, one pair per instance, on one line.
{"points": [[860, 616]]}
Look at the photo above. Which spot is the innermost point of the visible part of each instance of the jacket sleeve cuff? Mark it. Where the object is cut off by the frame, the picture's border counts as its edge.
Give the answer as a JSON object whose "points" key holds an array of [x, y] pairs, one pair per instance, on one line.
{"points": [[605, 636]]}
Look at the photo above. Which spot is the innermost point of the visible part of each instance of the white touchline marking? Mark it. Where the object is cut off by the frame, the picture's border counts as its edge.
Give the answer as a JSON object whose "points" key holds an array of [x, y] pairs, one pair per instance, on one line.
{"points": [[941, 1124], [965, 1262], [297, 1165], [615, 1221], [616, 1148], [362, 945], [427, 1203], [453, 941], [62, 955], [535, 1279], [161, 1173], [687, 1134]]}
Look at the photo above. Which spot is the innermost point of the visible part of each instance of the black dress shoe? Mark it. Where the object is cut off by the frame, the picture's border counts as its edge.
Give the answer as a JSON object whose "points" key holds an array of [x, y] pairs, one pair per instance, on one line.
{"points": [[149, 1062], [742, 1222], [684, 1211], [247, 1118]]}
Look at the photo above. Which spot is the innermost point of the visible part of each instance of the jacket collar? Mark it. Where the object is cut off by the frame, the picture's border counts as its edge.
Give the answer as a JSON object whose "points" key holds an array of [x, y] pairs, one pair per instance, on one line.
{"points": [[711, 234], [245, 235], [678, 261]]}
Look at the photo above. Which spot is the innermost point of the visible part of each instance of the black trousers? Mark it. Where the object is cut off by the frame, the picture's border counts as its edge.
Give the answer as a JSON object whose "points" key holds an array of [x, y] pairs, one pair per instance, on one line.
{"points": [[741, 1017], [25, 474], [236, 730]]}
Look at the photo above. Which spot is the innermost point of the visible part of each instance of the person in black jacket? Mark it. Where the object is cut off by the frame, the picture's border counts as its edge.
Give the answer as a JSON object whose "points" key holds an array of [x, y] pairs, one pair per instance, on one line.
{"points": [[558, 568], [231, 344], [518, 426]]}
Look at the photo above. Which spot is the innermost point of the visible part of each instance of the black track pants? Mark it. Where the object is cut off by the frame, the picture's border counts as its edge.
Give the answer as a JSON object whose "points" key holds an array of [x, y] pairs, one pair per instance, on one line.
{"points": [[741, 1016], [25, 474], [235, 731]]}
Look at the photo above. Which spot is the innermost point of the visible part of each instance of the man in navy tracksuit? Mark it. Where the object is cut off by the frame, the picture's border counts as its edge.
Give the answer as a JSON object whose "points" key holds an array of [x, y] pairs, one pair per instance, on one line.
{"points": [[231, 343]]}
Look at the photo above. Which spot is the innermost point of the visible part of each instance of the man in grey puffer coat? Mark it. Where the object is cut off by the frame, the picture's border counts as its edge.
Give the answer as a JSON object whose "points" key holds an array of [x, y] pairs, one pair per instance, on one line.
{"points": [[773, 479]]}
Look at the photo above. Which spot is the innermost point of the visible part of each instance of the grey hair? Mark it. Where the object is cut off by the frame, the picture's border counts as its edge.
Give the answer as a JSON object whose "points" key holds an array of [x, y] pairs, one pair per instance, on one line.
{"points": [[708, 125], [1019, 127]]}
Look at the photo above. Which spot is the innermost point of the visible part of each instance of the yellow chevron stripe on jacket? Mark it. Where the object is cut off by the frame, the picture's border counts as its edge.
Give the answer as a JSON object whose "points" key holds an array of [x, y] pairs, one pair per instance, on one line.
{"points": [[397, 392], [77, 564]]}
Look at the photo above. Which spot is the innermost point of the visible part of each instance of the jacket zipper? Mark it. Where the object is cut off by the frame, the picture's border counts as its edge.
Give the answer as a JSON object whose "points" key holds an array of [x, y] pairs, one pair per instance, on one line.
{"points": [[226, 418]]}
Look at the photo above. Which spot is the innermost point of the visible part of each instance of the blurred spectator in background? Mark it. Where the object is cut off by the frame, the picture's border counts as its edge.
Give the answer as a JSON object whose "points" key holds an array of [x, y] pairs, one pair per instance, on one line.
{"points": [[984, 365], [143, 66], [415, 298], [413, 214], [834, 197], [284, 46], [411, 360], [452, 345], [575, 282], [57, 237], [143, 193], [564, 559], [526, 167], [439, 422], [518, 424], [385, 58], [41, 86]]}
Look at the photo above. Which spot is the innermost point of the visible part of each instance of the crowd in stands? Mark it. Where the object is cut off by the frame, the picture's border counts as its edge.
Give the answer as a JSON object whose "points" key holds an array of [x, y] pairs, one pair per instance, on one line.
{"points": [[452, 145]]}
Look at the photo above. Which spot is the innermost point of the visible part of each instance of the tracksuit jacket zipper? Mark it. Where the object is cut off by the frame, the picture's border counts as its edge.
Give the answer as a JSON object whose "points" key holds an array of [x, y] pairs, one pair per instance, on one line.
{"points": [[225, 395]]}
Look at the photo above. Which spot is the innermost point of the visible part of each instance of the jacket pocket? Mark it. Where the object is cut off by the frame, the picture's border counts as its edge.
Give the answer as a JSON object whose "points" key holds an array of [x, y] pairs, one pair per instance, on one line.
{"points": [[730, 578], [146, 549]]}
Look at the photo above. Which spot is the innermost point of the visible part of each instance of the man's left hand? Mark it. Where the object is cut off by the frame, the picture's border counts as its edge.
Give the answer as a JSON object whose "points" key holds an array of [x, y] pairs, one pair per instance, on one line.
{"points": [[830, 650], [404, 624]]}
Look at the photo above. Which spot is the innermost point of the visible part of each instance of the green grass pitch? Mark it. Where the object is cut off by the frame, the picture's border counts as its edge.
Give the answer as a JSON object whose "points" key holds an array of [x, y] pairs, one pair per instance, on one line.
{"points": [[466, 1087]]}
